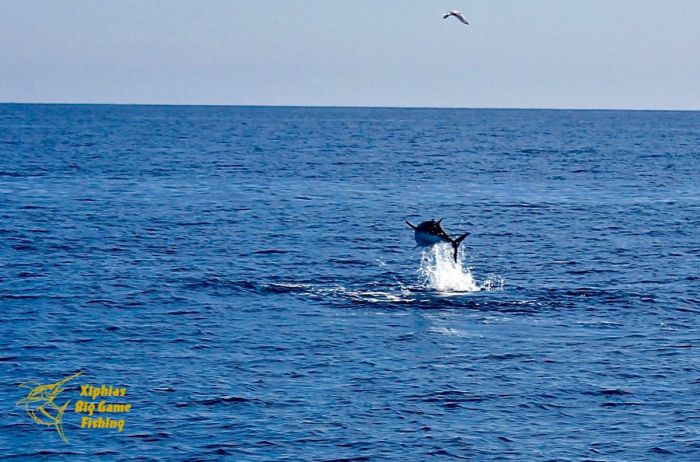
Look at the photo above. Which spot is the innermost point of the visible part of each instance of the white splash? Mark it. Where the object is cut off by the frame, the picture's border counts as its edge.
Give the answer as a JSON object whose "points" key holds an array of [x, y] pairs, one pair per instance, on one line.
{"points": [[493, 282], [440, 272]]}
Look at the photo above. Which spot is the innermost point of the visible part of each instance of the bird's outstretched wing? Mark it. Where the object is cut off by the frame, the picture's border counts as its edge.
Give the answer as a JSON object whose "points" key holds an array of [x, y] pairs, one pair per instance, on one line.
{"points": [[456, 14]]}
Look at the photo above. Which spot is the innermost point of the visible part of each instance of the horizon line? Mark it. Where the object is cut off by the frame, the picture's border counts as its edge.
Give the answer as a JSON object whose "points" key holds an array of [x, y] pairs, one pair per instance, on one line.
{"points": [[314, 106]]}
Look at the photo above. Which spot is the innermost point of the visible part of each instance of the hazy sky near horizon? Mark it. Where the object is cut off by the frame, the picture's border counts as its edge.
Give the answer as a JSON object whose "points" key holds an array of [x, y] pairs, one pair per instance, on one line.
{"points": [[637, 54]]}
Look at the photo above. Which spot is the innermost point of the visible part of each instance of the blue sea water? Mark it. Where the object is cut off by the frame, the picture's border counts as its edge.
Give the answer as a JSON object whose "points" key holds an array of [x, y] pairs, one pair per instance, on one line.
{"points": [[246, 274]]}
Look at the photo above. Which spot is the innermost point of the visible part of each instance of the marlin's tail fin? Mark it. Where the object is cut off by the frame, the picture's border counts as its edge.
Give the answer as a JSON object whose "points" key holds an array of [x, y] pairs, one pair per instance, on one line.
{"points": [[456, 242]]}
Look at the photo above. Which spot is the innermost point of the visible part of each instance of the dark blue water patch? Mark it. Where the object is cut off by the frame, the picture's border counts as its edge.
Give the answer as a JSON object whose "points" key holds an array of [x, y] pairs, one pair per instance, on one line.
{"points": [[247, 274], [269, 252]]}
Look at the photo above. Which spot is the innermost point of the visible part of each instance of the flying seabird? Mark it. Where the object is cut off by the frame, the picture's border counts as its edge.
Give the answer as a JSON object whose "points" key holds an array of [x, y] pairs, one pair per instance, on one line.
{"points": [[456, 14]]}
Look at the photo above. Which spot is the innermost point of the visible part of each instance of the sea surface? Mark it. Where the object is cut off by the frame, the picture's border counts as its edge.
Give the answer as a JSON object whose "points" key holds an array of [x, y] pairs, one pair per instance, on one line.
{"points": [[245, 273]]}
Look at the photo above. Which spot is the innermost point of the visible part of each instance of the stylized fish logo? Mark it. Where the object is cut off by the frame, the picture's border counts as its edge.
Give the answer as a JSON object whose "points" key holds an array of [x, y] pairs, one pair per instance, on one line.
{"points": [[40, 405]]}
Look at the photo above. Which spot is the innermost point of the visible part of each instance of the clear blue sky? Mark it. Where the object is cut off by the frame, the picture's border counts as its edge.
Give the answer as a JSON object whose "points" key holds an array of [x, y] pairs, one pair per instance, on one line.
{"points": [[517, 53]]}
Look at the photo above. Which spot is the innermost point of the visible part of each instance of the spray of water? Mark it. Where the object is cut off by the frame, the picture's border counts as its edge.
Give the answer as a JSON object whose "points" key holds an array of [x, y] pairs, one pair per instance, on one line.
{"points": [[440, 272]]}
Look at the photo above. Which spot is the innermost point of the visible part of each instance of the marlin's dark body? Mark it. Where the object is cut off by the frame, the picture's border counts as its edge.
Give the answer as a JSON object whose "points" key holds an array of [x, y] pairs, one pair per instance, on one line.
{"points": [[430, 233]]}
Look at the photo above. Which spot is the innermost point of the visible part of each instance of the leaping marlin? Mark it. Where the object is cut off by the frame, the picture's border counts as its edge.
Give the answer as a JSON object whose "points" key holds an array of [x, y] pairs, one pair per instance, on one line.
{"points": [[430, 233]]}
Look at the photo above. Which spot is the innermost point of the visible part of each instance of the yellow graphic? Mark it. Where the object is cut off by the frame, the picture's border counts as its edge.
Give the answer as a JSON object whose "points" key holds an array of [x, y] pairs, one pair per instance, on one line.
{"points": [[40, 405]]}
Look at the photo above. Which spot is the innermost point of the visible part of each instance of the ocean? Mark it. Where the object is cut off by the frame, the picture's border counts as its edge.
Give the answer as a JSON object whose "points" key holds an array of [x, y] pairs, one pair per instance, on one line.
{"points": [[245, 277]]}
